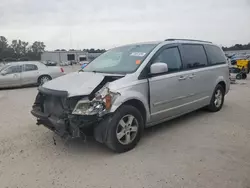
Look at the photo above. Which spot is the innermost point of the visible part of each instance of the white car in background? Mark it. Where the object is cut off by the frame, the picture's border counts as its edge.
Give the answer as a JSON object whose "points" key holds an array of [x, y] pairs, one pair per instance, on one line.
{"points": [[65, 63], [27, 73]]}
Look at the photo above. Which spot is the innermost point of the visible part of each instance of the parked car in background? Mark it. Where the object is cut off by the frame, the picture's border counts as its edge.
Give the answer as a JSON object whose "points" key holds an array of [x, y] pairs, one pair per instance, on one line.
{"points": [[132, 87], [49, 63], [27, 73], [83, 64], [65, 63]]}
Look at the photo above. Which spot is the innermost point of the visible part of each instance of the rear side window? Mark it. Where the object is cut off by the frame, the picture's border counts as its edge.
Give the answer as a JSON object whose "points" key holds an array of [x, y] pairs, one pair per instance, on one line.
{"points": [[215, 55], [194, 56], [171, 57], [30, 67]]}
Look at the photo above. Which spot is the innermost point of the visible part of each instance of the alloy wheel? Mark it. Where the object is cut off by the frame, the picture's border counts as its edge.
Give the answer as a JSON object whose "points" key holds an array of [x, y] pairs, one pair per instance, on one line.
{"points": [[218, 98], [127, 129]]}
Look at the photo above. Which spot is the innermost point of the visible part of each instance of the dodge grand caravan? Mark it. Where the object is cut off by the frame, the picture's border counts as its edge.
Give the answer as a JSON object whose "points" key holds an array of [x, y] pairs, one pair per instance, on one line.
{"points": [[132, 87]]}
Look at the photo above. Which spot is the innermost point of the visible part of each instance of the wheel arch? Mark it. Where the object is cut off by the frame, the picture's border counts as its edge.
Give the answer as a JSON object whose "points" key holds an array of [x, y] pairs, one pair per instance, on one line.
{"points": [[42, 76], [138, 105], [224, 83]]}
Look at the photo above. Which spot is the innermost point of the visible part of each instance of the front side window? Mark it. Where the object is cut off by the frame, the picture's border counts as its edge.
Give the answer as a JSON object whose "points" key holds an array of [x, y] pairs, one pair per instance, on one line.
{"points": [[215, 55], [171, 57], [125, 59], [194, 56], [30, 67], [13, 69]]}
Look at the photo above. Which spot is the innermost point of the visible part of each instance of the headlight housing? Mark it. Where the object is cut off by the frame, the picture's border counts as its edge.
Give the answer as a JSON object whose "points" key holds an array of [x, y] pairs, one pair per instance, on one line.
{"points": [[98, 106], [85, 107]]}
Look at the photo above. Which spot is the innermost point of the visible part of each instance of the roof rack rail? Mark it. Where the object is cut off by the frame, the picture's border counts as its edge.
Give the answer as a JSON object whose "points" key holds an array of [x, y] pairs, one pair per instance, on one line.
{"points": [[189, 40]]}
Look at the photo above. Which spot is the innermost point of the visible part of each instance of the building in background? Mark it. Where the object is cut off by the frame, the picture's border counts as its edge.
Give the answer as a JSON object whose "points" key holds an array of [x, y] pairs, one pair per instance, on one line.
{"points": [[65, 56]]}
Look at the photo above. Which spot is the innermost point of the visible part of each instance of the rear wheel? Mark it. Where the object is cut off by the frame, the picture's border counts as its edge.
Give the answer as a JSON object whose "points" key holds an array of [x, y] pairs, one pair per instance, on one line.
{"points": [[238, 76], [125, 129], [248, 67], [43, 79], [217, 100], [244, 76]]}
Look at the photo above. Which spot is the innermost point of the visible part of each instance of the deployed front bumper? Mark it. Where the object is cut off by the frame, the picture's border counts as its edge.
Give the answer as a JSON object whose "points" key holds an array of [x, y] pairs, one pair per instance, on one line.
{"points": [[53, 112], [55, 124]]}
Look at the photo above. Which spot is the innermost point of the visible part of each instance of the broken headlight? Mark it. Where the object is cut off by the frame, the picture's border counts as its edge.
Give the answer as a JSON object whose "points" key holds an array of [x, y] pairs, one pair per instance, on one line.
{"points": [[85, 107], [100, 104]]}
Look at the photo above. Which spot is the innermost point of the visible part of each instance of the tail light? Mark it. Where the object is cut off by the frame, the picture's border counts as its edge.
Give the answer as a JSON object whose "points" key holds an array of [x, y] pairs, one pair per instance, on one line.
{"points": [[62, 70]]}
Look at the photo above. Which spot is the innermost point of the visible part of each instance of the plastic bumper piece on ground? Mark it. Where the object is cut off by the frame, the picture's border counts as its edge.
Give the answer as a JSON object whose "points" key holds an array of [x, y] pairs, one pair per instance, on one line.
{"points": [[56, 125]]}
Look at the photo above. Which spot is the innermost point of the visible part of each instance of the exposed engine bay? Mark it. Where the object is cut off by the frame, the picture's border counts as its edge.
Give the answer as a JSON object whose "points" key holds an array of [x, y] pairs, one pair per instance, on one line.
{"points": [[71, 116]]}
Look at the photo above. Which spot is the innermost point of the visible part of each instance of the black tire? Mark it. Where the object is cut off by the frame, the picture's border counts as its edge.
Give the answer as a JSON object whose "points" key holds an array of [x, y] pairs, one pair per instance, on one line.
{"points": [[212, 107], [244, 76], [239, 76], [112, 141], [248, 67], [41, 79]]}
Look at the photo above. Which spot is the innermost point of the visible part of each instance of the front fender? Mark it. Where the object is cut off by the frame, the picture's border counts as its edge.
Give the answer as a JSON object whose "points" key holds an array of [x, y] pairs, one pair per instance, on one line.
{"points": [[127, 95]]}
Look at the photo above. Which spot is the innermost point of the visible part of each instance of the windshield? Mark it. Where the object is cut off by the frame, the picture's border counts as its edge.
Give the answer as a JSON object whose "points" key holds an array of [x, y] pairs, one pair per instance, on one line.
{"points": [[125, 59], [3, 67]]}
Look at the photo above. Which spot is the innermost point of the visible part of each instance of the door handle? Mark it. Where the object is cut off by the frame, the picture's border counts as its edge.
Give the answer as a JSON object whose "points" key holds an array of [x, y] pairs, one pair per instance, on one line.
{"points": [[192, 76], [182, 78]]}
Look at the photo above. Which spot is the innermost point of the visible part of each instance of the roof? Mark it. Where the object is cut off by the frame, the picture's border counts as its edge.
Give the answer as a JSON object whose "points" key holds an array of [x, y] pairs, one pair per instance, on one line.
{"points": [[171, 41], [188, 40], [75, 51], [23, 62]]}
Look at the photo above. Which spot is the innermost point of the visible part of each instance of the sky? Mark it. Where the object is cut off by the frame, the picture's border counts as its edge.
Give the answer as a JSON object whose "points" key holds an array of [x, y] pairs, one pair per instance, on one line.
{"points": [[79, 24]]}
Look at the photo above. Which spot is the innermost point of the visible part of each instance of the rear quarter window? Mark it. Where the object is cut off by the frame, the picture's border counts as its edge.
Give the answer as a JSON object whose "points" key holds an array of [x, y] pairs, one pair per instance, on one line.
{"points": [[215, 55]]}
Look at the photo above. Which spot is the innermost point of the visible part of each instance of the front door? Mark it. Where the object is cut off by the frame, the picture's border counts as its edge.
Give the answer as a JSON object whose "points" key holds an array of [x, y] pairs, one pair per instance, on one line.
{"points": [[11, 76], [30, 74], [170, 93]]}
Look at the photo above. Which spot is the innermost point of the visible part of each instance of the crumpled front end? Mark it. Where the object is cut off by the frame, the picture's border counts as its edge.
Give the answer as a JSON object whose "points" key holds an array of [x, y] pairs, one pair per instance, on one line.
{"points": [[71, 116]]}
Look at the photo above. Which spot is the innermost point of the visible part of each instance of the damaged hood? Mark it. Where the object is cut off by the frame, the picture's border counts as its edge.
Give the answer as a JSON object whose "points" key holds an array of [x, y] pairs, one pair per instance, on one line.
{"points": [[76, 83]]}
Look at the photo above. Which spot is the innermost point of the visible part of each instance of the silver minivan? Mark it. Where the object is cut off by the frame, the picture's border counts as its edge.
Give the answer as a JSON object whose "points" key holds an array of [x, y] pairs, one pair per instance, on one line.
{"points": [[129, 88]]}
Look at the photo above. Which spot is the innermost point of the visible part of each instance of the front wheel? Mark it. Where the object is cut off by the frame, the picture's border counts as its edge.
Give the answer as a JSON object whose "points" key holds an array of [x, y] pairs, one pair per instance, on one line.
{"points": [[125, 129], [217, 99]]}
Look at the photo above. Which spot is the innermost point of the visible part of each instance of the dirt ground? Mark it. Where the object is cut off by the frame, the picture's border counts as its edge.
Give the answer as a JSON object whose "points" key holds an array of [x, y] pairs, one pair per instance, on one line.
{"points": [[198, 150]]}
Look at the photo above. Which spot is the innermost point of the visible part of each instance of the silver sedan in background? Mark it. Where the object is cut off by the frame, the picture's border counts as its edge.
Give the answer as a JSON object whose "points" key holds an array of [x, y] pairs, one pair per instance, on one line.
{"points": [[27, 73]]}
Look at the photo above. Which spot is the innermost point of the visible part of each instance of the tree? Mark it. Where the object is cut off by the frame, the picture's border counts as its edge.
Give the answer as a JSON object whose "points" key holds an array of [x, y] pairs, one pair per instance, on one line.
{"points": [[19, 47], [20, 50], [3, 43], [92, 50], [38, 47], [7, 53], [24, 48], [16, 46], [238, 47]]}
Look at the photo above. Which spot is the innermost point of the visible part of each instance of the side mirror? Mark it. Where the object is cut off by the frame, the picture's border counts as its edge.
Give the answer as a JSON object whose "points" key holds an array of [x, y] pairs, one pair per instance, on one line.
{"points": [[158, 68]]}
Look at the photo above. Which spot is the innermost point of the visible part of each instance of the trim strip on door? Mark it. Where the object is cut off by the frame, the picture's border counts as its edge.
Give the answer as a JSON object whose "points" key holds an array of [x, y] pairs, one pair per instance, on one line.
{"points": [[175, 99], [173, 108]]}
